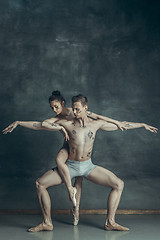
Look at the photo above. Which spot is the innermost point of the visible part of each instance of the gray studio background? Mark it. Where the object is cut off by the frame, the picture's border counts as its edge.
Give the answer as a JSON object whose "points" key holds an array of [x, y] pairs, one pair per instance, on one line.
{"points": [[108, 50]]}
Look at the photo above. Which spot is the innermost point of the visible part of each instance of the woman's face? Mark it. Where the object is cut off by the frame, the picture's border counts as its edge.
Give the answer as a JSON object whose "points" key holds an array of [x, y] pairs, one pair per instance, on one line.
{"points": [[56, 106]]}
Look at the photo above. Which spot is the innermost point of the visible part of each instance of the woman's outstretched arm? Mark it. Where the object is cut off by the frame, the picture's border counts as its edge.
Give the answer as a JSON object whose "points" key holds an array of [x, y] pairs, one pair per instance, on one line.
{"points": [[119, 124]]}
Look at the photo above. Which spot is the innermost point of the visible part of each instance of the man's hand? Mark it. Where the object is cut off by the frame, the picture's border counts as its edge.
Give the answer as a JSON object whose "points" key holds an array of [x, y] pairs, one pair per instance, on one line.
{"points": [[10, 128], [65, 134], [150, 128]]}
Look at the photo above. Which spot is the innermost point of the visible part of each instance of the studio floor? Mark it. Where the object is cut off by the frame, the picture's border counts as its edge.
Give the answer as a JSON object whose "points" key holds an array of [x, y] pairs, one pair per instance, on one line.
{"points": [[14, 227]]}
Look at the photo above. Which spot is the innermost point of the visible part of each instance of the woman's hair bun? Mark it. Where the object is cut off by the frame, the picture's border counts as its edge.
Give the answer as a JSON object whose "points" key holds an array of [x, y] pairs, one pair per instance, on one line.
{"points": [[56, 93]]}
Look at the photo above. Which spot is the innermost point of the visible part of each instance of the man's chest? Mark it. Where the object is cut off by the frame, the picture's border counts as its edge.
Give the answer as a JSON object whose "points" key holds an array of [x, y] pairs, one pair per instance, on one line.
{"points": [[85, 134]]}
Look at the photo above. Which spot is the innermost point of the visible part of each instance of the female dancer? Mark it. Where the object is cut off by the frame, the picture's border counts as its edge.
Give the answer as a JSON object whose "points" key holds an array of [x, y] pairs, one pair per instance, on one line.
{"points": [[57, 103]]}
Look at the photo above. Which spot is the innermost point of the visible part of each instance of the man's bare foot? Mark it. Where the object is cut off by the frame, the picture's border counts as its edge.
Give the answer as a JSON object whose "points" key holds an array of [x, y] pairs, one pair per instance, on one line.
{"points": [[75, 212], [115, 227], [41, 227], [73, 196]]}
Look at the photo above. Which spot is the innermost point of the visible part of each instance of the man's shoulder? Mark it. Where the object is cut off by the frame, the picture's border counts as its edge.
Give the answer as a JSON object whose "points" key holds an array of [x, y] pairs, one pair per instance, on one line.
{"points": [[99, 123], [95, 121]]}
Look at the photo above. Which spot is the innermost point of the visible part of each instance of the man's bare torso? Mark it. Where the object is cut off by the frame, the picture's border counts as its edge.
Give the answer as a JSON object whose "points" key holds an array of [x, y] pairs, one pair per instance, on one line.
{"points": [[81, 137]]}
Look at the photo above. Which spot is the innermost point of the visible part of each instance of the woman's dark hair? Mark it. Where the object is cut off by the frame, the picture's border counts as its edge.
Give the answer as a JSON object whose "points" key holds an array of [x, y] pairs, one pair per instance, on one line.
{"points": [[80, 98], [56, 95]]}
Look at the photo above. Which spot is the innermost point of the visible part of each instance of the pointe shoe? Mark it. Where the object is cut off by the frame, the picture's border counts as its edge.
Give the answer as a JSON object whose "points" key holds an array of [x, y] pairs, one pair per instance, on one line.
{"points": [[41, 227], [75, 219], [73, 197], [115, 227]]}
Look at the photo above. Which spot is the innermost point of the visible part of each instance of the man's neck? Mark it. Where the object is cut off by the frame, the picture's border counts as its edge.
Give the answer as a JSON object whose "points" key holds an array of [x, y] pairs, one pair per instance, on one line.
{"points": [[83, 120]]}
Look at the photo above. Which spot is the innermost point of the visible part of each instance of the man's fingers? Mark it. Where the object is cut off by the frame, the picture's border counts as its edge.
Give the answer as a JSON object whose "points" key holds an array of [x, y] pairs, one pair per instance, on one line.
{"points": [[8, 130], [5, 129], [153, 130], [5, 132]]}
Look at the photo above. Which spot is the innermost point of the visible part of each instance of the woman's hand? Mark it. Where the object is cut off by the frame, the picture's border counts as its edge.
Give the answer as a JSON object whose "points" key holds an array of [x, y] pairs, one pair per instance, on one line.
{"points": [[11, 127], [65, 134], [121, 125]]}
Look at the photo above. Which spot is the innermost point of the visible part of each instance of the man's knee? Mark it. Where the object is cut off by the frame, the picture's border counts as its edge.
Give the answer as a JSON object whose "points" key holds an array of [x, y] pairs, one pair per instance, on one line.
{"points": [[120, 185], [39, 185]]}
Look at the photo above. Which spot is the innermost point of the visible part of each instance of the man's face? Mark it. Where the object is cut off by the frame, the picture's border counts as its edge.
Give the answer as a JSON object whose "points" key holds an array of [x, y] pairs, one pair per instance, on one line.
{"points": [[56, 106], [78, 109]]}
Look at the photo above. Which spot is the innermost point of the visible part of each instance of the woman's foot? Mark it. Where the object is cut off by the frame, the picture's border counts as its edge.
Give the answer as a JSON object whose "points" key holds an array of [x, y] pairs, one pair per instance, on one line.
{"points": [[41, 227], [75, 212]]}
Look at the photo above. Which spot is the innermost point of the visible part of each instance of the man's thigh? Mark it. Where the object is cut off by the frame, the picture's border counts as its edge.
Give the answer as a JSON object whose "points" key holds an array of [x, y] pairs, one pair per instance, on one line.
{"points": [[103, 177], [50, 178]]}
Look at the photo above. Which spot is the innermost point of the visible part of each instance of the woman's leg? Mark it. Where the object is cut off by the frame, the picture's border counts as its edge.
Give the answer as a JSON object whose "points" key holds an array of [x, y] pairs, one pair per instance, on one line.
{"points": [[64, 172], [75, 210], [49, 179]]}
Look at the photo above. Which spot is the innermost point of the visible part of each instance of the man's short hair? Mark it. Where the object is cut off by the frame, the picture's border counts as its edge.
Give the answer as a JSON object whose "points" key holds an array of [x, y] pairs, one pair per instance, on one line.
{"points": [[80, 98]]}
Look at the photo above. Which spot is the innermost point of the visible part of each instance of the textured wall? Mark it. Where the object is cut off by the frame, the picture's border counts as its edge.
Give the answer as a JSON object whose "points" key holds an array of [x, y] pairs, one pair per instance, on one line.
{"points": [[107, 50]]}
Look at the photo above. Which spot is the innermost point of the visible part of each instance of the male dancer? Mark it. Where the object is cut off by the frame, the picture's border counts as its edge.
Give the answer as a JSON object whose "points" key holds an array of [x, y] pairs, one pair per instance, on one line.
{"points": [[82, 131]]}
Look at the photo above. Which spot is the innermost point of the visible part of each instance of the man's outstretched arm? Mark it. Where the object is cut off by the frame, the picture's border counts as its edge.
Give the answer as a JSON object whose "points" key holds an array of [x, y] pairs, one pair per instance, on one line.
{"points": [[37, 126], [27, 124], [50, 125], [128, 125], [131, 125]]}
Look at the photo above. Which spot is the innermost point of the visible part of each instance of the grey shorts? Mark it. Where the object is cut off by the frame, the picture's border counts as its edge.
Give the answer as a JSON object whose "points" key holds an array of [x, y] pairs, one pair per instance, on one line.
{"points": [[80, 168]]}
